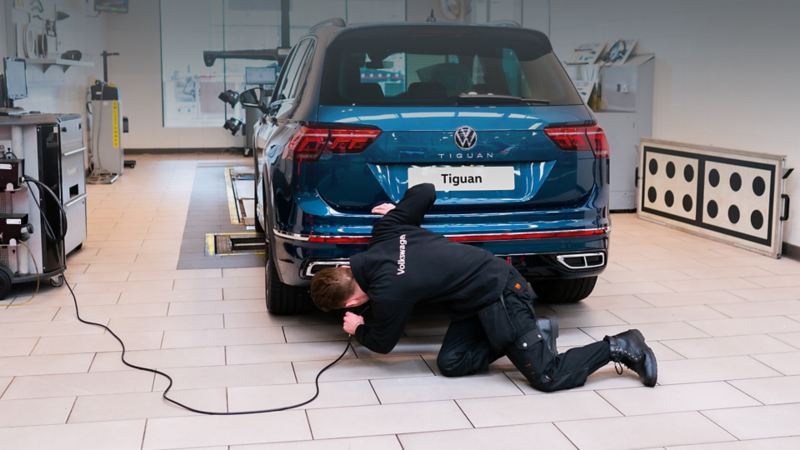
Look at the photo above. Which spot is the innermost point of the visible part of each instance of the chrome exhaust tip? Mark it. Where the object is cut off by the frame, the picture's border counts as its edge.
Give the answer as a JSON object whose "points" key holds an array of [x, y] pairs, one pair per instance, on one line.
{"points": [[315, 266], [579, 261]]}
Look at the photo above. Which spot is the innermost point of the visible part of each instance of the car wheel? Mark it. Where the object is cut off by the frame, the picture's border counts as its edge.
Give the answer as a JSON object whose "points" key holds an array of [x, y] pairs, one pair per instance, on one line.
{"points": [[281, 298], [563, 291]]}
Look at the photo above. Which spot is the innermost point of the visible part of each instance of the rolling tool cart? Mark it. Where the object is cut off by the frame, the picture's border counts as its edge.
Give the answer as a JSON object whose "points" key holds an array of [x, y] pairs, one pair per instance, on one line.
{"points": [[42, 188]]}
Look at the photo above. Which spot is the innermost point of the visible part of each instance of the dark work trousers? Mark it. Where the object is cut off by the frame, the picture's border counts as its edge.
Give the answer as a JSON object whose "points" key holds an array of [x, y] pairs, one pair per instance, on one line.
{"points": [[508, 327]]}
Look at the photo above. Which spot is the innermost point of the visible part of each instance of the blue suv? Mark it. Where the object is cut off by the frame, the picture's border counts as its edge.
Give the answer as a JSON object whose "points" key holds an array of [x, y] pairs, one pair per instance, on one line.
{"points": [[485, 113]]}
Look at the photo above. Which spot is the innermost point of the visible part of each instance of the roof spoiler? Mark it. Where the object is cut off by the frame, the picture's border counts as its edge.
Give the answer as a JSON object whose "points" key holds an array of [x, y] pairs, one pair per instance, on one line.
{"points": [[332, 22]]}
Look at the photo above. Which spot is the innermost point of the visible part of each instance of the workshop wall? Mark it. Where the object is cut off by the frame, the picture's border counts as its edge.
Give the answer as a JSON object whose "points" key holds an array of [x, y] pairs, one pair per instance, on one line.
{"points": [[726, 70], [55, 90], [137, 37]]}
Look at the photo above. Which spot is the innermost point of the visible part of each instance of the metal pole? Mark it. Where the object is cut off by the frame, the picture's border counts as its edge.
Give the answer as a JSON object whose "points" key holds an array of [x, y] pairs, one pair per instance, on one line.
{"points": [[286, 35]]}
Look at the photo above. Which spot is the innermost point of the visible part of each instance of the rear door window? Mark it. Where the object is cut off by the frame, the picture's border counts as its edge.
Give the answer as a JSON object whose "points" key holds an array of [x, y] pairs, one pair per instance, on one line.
{"points": [[289, 74]]}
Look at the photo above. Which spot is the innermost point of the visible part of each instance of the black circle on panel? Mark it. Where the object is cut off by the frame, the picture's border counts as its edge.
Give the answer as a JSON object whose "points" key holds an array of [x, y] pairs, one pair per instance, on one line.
{"points": [[670, 169], [687, 203], [736, 181], [688, 173], [757, 220], [759, 186], [712, 208], [653, 166], [669, 198], [733, 214], [713, 178], [652, 195]]}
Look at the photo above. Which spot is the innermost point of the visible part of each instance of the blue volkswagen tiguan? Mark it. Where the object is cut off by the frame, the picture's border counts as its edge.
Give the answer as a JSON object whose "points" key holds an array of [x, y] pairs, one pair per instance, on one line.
{"points": [[485, 113]]}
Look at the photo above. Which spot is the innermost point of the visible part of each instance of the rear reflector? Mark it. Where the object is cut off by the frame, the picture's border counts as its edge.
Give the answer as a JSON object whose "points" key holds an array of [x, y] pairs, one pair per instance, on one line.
{"points": [[471, 237], [580, 138], [310, 142], [518, 236]]}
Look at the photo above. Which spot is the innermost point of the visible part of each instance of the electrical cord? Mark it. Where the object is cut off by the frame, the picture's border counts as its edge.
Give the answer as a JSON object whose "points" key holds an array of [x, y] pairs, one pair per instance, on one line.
{"points": [[164, 395]]}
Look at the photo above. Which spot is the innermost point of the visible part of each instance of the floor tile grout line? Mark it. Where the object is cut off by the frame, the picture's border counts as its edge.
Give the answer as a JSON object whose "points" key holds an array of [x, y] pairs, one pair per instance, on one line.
{"points": [[377, 397], [308, 424], [71, 409], [769, 366], [144, 431], [729, 383], [458, 405], [35, 344], [608, 402], [702, 413], [7, 387], [565, 435], [519, 388]]}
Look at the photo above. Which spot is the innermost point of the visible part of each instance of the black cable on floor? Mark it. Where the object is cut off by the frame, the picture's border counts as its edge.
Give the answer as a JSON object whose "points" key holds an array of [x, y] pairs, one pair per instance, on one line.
{"points": [[164, 395], [169, 378]]}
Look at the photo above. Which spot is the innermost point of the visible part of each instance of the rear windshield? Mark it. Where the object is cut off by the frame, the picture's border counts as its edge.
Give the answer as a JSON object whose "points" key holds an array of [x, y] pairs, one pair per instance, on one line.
{"points": [[435, 65]]}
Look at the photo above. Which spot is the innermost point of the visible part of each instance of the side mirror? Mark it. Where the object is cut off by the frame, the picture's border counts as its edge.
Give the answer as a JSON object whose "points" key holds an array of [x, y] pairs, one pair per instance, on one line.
{"points": [[254, 98]]}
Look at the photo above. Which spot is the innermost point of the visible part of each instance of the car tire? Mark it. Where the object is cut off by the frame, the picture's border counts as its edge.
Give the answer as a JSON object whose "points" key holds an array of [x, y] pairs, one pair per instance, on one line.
{"points": [[563, 291], [282, 299]]}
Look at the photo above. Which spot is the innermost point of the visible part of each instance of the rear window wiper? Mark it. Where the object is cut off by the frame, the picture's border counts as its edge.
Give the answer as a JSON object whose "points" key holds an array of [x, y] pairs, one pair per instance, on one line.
{"points": [[492, 99]]}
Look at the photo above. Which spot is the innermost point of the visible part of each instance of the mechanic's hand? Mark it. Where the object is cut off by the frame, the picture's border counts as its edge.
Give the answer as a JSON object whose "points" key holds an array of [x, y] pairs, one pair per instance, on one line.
{"points": [[383, 209], [351, 322]]}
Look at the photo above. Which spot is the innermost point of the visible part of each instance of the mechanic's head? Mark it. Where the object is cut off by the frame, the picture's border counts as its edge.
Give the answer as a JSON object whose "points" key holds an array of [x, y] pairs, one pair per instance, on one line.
{"points": [[335, 288]]}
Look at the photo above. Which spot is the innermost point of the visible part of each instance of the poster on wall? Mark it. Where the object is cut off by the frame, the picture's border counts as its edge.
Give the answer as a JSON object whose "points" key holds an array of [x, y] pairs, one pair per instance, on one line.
{"points": [[587, 53], [618, 52], [437, 11], [36, 24]]}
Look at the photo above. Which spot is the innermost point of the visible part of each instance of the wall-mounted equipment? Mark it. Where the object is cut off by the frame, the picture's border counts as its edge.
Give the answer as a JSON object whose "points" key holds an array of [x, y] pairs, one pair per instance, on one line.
{"points": [[619, 88], [14, 85], [728, 195]]}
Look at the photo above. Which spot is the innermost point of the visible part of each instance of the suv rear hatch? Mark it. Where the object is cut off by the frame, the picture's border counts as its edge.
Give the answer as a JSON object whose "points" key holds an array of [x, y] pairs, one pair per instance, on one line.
{"points": [[487, 114]]}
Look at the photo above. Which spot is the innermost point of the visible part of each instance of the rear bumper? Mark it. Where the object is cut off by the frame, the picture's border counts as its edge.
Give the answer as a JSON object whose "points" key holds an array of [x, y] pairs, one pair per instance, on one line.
{"points": [[551, 254]]}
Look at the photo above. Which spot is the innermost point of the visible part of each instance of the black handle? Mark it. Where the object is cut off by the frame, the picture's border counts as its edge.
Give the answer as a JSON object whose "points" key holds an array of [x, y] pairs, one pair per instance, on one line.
{"points": [[786, 203]]}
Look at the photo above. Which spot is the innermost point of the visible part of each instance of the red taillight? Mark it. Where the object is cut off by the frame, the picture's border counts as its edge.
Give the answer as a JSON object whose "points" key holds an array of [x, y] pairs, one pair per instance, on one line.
{"points": [[580, 138], [310, 142]]}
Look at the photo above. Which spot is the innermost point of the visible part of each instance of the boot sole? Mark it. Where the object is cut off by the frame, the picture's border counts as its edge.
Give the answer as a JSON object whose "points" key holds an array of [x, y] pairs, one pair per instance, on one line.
{"points": [[651, 368]]}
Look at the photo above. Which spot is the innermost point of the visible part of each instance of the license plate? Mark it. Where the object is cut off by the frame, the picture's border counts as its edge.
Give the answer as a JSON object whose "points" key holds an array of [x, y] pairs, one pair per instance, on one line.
{"points": [[463, 178]]}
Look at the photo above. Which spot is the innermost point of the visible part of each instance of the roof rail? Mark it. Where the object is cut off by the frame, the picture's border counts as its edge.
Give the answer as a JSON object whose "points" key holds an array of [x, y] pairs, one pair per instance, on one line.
{"points": [[332, 22], [505, 23]]}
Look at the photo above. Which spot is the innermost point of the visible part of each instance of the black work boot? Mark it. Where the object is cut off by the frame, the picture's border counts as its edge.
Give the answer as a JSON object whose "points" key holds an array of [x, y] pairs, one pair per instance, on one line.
{"points": [[549, 330], [629, 349]]}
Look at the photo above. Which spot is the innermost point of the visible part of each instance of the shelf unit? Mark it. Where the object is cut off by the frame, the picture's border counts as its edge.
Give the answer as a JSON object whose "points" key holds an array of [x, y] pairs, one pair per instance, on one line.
{"points": [[65, 64]]}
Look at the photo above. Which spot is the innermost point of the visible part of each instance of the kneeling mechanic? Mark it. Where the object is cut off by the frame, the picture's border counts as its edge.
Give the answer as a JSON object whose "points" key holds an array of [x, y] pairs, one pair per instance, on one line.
{"points": [[490, 304]]}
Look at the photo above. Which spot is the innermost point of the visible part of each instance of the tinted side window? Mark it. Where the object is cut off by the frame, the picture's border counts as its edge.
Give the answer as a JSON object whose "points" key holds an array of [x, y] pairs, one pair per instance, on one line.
{"points": [[302, 71], [289, 72]]}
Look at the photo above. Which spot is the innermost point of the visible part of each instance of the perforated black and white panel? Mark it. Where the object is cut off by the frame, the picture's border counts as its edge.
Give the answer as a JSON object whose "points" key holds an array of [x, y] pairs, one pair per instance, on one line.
{"points": [[669, 189], [737, 198], [725, 194]]}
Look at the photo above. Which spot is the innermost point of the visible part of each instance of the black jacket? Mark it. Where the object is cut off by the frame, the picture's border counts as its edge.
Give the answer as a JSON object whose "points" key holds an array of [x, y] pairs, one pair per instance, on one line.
{"points": [[405, 265]]}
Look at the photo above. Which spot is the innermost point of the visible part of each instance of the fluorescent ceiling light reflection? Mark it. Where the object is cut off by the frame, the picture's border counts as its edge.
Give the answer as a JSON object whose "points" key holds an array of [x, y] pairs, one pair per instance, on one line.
{"points": [[427, 114], [479, 114]]}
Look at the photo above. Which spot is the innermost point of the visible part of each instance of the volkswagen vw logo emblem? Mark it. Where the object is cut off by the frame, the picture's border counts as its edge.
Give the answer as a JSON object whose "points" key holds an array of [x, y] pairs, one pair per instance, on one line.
{"points": [[465, 137]]}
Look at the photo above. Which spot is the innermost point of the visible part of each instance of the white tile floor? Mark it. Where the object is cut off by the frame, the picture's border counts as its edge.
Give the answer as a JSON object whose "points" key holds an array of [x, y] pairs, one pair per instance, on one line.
{"points": [[724, 322]]}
